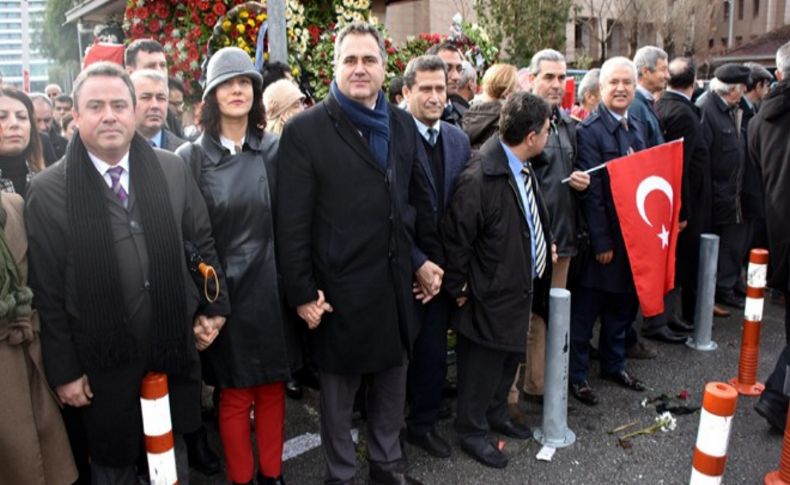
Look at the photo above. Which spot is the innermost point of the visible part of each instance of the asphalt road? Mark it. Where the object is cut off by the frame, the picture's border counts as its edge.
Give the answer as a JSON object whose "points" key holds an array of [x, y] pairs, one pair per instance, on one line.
{"points": [[595, 458]]}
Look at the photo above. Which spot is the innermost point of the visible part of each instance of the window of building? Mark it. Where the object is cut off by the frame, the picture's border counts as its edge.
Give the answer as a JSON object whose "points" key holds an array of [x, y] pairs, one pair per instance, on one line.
{"points": [[726, 10], [738, 40], [711, 43], [724, 42], [740, 9], [756, 8]]}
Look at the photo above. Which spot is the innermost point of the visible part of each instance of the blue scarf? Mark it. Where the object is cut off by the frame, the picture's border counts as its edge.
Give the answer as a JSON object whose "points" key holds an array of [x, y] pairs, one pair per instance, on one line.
{"points": [[373, 123]]}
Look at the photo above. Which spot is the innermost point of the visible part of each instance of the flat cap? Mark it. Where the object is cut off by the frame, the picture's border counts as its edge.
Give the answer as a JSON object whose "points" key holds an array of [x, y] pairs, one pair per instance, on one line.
{"points": [[733, 73]]}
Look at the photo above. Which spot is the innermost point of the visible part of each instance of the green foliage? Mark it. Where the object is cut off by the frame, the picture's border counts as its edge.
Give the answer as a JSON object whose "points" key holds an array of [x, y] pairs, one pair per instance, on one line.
{"points": [[524, 27], [58, 41]]}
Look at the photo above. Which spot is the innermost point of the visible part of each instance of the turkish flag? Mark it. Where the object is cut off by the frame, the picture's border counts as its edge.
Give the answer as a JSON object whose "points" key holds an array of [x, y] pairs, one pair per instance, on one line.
{"points": [[646, 192]]}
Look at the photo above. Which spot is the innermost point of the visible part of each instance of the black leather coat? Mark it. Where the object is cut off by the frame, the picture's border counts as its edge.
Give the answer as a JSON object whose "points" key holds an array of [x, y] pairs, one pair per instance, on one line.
{"points": [[551, 167], [256, 345]]}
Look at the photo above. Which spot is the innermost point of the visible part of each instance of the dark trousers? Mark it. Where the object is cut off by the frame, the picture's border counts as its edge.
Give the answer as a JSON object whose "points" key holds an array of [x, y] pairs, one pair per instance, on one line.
{"points": [[128, 475], [687, 269], [484, 379], [616, 311], [385, 400], [733, 246], [428, 366], [774, 386]]}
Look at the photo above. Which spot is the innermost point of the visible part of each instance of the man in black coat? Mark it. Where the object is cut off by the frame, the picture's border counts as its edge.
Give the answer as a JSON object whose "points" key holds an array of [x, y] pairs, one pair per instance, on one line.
{"points": [[152, 95], [456, 105], [769, 148], [497, 243], [605, 288], [442, 150], [724, 137], [680, 118], [344, 237], [107, 226]]}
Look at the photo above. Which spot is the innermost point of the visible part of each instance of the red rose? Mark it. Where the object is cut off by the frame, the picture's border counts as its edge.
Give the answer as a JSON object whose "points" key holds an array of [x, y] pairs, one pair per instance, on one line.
{"points": [[153, 25], [219, 9], [326, 81], [141, 13], [168, 30], [204, 5], [192, 4], [196, 32], [138, 30], [210, 19], [162, 11], [391, 50]]}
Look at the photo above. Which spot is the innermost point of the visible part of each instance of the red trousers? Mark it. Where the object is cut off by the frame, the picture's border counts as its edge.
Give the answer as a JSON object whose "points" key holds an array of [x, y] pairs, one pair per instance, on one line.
{"points": [[268, 402]]}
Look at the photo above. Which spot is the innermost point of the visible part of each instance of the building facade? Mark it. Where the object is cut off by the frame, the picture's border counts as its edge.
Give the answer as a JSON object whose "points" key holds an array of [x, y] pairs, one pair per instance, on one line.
{"points": [[20, 23]]}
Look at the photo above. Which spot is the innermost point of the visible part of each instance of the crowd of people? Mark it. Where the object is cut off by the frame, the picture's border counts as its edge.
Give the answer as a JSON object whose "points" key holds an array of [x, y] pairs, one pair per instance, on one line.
{"points": [[348, 238]]}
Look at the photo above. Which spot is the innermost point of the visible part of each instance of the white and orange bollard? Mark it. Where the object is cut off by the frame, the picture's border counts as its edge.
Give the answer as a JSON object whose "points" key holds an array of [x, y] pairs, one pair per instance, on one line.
{"points": [[158, 429], [713, 435], [782, 475], [746, 382]]}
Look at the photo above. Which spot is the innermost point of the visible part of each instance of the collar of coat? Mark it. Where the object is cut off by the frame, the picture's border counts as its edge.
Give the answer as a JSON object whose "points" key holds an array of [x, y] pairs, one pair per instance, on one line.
{"points": [[215, 151], [608, 120], [493, 158]]}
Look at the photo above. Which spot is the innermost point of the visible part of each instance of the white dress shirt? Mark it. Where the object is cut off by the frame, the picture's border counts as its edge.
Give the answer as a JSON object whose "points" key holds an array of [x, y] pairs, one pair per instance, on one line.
{"points": [[103, 166]]}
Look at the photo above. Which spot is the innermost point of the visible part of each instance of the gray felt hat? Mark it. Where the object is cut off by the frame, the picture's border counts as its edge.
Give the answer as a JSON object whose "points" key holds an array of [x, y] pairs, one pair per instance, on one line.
{"points": [[227, 63]]}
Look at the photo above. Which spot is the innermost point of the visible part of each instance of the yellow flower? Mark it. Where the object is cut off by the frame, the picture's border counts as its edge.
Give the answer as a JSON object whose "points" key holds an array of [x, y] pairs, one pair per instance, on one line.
{"points": [[251, 23], [240, 42], [265, 56], [244, 14], [226, 42], [226, 25], [241, 28], [261, 17]]}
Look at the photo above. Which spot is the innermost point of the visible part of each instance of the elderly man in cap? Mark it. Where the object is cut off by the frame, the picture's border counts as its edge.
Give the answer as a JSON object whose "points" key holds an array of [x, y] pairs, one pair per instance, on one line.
{"points": [[724, 136]]}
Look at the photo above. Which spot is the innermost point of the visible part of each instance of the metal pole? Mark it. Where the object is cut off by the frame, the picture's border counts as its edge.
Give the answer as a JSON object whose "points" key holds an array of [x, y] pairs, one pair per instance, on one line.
{"points": [[706, 292], [278, 40], [555, 432], [731, 25]]}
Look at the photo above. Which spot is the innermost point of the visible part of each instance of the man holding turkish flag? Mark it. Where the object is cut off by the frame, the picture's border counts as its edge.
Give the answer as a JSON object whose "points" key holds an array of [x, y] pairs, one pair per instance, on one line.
{"points": [[646, 191]]}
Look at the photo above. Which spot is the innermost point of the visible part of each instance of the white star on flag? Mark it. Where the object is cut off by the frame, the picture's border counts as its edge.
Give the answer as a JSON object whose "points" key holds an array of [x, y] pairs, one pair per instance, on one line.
{"points": [[664, 236]]}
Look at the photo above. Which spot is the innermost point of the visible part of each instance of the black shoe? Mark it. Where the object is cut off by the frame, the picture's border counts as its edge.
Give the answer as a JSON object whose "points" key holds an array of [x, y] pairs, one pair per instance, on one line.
{"points": [[381, 476], [293, 389], [730, 300], [641, 350], [772, 414], [680, 325], [625, 380], [261, 480], [431, 443], [484, 452], [584, 393], [512, 430], [664, 334], [199, 454]]}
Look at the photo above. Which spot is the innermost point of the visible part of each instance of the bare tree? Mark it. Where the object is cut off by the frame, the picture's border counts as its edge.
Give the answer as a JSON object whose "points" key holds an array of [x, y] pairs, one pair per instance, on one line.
{"points": [[599, 18]]}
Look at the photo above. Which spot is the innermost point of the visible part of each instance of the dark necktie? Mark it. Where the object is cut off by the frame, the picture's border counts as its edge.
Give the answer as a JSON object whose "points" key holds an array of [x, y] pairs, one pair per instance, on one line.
{"points": [[624, 123], [540, 239], [117, 188], [432, 134]]}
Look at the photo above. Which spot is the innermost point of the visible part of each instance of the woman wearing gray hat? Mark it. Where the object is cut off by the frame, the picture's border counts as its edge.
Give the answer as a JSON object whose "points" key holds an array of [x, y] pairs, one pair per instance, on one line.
{"points": [[251, 358]]}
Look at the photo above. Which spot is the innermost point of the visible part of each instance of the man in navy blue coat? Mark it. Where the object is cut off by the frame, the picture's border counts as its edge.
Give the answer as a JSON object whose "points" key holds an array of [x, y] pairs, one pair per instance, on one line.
{"points": [[605, 288], [442, 151]]}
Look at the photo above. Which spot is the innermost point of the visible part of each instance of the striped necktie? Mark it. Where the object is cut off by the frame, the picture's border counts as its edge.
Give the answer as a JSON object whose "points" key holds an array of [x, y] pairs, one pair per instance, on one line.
{"points": [[117, 188], [540, 238], [432, 134]]}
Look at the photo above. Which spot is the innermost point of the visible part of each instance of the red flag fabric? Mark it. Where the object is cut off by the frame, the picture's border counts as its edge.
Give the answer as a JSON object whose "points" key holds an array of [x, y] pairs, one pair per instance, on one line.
{"points": [[103, 52], [570, 93], [646, 192]]}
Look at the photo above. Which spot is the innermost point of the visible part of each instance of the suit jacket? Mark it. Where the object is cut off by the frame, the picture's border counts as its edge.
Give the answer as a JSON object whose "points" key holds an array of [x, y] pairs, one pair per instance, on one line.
{"points": [[170, 141], [113, 421], [489, 251], [642, 110], [680, 118], [424, 196], [344, 226], [726, 148], [601, 138]]}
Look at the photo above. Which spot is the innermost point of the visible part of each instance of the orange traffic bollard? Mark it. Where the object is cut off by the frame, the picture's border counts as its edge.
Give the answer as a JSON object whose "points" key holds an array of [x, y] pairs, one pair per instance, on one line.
{"points": [[158, 429], [782, 475], [713, 435], [746, 382]]}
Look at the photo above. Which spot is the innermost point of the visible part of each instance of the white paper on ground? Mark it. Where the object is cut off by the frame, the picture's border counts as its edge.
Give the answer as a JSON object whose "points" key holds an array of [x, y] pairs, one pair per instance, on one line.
{"points": [[546, 453]]}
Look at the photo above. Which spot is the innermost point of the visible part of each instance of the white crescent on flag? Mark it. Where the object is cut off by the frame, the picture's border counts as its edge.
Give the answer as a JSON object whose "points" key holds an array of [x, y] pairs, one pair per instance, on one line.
{"points": [[644, 189]]}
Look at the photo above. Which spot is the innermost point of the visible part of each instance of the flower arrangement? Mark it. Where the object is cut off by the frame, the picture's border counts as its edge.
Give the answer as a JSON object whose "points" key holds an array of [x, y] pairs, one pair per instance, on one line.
{"points": [[239, 28]]}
